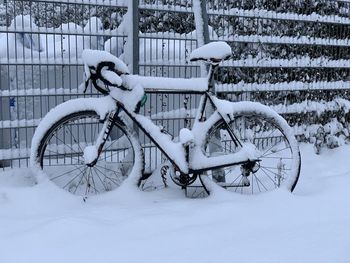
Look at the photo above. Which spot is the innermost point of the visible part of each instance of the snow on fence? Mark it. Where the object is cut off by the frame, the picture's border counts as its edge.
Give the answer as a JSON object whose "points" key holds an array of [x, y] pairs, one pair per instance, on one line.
{"points": [[292, 55]]}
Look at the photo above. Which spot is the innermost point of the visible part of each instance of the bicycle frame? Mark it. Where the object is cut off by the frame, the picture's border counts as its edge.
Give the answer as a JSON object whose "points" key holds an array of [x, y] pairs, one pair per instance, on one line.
{"points": [[76, 146], [191, 160]]}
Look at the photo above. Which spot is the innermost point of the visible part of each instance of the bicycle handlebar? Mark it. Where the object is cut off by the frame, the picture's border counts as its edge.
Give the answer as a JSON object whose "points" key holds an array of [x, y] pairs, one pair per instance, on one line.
{"points": [[96, 74]]}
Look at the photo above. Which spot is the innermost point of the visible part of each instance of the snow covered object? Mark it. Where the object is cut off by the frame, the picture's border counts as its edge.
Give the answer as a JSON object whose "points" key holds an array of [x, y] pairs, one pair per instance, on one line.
{"points": [[213, 52], [21, 45], [106, 71], [247, 145], [92, 58], [101, 66]]}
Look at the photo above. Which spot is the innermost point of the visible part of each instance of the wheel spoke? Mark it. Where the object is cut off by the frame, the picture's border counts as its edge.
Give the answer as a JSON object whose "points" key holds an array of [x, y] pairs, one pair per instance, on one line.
{"points": [[81, 172], [240, 181], [98, 176], [64, 149], [273, 143], [53, 178], [57, 153], [272, 172], [70, 147], [113, 143], [75, 140], [258, 180], [265, 172], [268, 167], [105, 168], [275, 152], [115, 180], [272, 157], [87, 183], [93, 182]]}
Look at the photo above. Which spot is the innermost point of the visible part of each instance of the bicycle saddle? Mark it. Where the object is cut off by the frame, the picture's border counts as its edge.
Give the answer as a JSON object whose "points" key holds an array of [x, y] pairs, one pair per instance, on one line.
{"points": [[214, 52], [103, 70]]}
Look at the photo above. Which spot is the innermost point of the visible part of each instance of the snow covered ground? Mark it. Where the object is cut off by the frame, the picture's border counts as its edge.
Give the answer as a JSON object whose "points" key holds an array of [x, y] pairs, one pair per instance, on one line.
{"points": [[44, 224]]}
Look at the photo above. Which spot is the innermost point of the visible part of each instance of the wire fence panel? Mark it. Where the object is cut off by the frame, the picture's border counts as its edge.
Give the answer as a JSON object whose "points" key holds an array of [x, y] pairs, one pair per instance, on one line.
{"points": [[40, 62], [167, 37], [291, 55]]}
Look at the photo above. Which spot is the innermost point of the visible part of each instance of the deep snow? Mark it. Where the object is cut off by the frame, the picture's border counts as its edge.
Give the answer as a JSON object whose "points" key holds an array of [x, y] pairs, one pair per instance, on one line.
{"points": [[41, 223]]}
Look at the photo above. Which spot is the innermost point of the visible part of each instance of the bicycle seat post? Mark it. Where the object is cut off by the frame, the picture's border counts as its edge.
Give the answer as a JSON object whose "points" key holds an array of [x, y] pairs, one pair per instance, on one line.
{"points": [[212, 70]]}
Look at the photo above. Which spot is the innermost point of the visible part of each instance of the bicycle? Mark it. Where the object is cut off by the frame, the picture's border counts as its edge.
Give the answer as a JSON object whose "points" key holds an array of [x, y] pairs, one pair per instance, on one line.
{"points": [[88, 146]]}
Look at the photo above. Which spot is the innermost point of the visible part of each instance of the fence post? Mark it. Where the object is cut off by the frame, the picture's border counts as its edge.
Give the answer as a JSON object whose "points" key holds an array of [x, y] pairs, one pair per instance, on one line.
{"points": [[135, 36], [202, 31], [5, 134], [205, 22], [201, 21]]}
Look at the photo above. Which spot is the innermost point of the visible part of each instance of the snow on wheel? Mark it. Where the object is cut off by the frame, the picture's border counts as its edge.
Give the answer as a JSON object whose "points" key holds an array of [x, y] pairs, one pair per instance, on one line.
{"points": [[278, 163], [66, 149]]}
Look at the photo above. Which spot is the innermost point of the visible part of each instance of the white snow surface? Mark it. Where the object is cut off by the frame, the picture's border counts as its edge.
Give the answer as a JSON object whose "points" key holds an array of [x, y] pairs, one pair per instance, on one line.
{"points": [[23, 45], [186, 136], [166, 84], [129, 98], [93, 57], [218, 50], [268, 14], [90, 153], [40, 223], [112, 77]]}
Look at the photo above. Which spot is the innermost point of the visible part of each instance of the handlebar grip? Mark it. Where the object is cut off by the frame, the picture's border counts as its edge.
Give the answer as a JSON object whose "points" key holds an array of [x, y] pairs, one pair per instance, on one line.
{"points": [[110, 66]]}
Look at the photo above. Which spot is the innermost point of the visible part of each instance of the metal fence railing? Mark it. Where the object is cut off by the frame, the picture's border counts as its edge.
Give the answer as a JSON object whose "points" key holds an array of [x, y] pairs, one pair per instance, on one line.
{"points": [[291, 55]]}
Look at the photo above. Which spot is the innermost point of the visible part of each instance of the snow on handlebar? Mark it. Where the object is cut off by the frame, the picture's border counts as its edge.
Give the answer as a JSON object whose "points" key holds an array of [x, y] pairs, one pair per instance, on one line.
{"points": [[103, 70]]}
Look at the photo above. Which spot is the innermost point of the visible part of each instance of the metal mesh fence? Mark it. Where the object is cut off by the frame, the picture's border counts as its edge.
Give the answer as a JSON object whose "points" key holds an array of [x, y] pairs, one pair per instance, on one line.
{"points": [[291, 55], [40, 63]]}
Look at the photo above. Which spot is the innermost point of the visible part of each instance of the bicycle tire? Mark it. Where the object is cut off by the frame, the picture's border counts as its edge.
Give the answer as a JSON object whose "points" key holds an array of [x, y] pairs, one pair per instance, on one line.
{"points": [[121, 156], [274, 132]]}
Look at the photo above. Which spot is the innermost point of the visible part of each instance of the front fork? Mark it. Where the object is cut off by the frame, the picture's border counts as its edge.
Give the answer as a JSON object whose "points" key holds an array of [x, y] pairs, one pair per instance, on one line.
{"points": [[102, 137]]}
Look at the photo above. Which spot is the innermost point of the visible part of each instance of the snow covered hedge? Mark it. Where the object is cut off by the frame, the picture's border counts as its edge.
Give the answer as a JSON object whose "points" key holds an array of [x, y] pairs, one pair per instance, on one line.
{"points": [[292, 55]]}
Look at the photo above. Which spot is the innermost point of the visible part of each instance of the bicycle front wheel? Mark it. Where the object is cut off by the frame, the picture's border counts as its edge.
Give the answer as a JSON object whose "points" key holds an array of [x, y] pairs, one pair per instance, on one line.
{"points": [[278, 162], [61, 150]]}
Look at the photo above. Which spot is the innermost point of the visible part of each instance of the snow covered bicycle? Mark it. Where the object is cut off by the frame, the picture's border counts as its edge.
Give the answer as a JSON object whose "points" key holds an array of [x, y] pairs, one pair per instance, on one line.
{"points": [[88, 146]]}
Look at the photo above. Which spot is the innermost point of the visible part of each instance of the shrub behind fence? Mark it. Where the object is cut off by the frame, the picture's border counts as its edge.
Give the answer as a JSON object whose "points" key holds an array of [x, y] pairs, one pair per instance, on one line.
{"points": [[291, 55]]}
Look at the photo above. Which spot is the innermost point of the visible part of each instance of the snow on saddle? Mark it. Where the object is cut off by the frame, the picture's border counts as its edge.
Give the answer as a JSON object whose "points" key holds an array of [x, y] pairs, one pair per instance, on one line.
{"points": [[214, 52]]}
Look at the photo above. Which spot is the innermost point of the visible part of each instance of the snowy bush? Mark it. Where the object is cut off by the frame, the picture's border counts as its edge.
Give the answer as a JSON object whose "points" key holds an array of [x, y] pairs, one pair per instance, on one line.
{"points": [[291, 55]]}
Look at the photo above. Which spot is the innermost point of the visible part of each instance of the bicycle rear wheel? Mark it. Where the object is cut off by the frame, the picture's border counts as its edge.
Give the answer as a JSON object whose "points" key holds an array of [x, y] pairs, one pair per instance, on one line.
{"points": [[60, 155], [278, 162]]}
